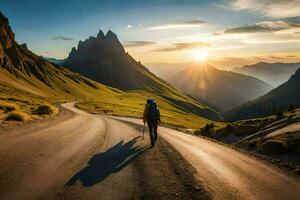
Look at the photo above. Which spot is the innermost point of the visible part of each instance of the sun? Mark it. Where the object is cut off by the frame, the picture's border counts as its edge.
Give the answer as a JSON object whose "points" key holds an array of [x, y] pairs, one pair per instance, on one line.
{"points": [[200, 55]]}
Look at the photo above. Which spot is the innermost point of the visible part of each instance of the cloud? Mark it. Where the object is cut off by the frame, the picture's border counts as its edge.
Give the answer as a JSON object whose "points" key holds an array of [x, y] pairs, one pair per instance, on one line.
{"points": [[276, 57], [138, 43], [129, 26], [179, 24], [267, 26], [63, 38], [269, 8], [184, 45]]}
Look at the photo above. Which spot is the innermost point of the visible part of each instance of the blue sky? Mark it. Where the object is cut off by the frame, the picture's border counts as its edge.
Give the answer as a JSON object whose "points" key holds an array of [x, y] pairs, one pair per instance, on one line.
{"points": [[52, 28]]}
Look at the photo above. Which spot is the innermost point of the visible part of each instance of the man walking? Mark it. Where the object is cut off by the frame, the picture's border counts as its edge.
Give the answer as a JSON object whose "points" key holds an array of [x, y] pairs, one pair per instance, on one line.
{"points": [[152, 117]]}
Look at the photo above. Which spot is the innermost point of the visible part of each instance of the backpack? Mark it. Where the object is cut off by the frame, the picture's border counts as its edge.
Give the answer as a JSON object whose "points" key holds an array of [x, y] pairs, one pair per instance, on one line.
{"points": [[153, 111]]}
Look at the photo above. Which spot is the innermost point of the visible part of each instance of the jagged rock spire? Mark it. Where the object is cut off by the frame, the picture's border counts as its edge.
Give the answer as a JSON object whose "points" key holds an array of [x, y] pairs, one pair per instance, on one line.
{"points": [[111, 35], [100, 34]]}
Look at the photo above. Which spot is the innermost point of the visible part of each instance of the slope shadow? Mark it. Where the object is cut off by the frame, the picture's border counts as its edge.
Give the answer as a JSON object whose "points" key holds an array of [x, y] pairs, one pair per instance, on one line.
{"points": [[101, 165]]}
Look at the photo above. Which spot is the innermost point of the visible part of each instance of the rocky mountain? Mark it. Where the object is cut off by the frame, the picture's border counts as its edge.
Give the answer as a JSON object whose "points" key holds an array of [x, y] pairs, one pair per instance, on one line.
{"points": [[277, 99], [104, 59], [271, 73], [23, 69], [223, 89]]}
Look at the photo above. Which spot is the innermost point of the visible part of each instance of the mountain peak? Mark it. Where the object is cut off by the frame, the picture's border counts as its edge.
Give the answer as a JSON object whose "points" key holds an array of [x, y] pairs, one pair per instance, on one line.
{"points": [[111, 35], [100, 34], [96, 50], [2, 17]]}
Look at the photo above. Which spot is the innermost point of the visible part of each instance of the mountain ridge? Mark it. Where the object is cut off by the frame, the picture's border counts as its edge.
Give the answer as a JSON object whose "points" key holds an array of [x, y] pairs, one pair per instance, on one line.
{"points": [[223, 89], [272, 73], [23, 69], [277, 99]]}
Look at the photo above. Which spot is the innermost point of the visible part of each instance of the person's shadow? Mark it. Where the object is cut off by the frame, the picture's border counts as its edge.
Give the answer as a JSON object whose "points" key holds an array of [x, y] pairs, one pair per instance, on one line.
{"points": [[103, 164]]}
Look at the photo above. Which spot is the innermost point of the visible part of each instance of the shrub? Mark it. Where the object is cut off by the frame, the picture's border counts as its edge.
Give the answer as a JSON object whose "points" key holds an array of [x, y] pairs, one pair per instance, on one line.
{"points": [[45, 110], [17, 116], [8, 107]]}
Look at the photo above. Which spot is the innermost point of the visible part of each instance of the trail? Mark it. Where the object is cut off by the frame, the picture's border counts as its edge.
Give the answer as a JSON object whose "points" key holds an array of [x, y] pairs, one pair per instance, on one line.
{"points": [[85, 156]]}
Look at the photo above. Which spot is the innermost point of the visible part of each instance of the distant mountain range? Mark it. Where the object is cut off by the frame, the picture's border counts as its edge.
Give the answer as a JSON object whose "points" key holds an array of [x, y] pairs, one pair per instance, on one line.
{"points": [[166, 70], [103, 59], [223, 89], [271, 73], [54, 60], [277, 99]]}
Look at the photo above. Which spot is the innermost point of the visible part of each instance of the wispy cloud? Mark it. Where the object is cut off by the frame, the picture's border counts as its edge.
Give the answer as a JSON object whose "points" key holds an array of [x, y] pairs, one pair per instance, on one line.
{"points": [[179, 24], [269, 8], [138, 43], [267, 26], [183, 46], [62, 38]]}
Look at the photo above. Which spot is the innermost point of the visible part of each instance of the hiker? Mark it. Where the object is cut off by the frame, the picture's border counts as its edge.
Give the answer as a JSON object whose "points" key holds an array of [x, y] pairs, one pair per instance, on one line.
{"points": [[152, 117]]}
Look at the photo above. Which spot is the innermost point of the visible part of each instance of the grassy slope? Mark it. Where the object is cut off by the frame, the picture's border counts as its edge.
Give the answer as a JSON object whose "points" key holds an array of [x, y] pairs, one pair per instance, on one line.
{"points": [[64, 85], [131, 104], [108, 102], [24, 101]]}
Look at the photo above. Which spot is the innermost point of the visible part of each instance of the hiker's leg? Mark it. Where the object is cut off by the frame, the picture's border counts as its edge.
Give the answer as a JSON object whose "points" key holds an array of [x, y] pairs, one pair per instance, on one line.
{"points": [[155, 131], [150, 126]]}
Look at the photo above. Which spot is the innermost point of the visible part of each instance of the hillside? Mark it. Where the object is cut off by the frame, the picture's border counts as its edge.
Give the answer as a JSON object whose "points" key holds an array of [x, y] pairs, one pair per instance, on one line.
{"points": [[28, 80], [277, 99], [222, 89], [23, 69], [104, 59], [271, 73]]}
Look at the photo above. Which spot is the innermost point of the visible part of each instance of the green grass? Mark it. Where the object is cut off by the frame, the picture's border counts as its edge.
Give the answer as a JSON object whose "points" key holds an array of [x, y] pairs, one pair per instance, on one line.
{"points": [[131, 104], [115, 102]]}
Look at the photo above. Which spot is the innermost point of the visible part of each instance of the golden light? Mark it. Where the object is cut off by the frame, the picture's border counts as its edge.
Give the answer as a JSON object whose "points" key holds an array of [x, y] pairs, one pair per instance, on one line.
{"points": [[201, 55]]}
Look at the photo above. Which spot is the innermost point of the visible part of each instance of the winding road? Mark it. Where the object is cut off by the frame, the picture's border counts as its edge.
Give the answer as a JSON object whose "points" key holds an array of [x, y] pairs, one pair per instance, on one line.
{"points": [[83, 156]]}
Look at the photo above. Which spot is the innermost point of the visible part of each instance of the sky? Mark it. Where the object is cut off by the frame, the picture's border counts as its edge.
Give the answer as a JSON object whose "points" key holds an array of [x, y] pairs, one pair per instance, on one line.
{"points": [[228, 33]]}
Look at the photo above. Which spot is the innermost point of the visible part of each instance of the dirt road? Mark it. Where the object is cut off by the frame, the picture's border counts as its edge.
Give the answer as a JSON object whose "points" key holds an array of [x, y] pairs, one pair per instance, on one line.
{"points": [[84, 156]]}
